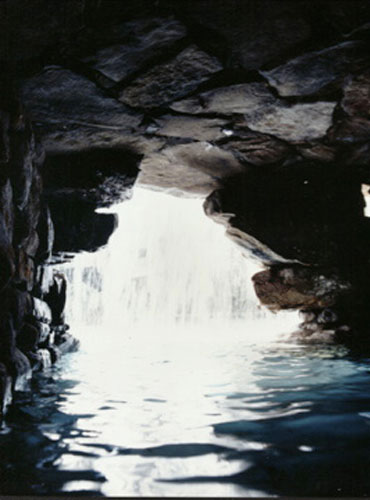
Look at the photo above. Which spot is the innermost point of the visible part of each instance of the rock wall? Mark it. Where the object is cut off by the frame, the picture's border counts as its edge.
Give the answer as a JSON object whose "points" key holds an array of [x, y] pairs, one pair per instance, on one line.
{"points": [[32, 329]]}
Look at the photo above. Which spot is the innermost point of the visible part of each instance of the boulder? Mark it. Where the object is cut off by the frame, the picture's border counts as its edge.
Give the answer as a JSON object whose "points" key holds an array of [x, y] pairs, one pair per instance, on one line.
{"points": [[298, 287]]}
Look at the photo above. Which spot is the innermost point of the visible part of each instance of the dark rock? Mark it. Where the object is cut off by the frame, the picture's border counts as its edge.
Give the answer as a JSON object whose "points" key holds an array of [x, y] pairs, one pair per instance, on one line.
{"points": [[250, 34], [255, 148], [31, 244], [25, 270], [28, 338], [306, 212], [22, 369], [22, 151], [298, 287], [171, 80], [56, 297], [7, 266], [5, 390], [188, 127], [58, 99], [327, 316], [252, 99], [144, 41], [7, 209], [18, 303], [195, 168], [67, 343], [316, 151], [311, 73], [26, 219], [45, 232], [352, 123], [7, 338], [99, 175], [262, 111], [77, 226], [4, 141], [27, 29], [298, 122], [55, 354]]}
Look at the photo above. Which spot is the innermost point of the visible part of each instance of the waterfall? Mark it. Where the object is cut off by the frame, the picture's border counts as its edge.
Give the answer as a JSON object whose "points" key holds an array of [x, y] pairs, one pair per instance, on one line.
{"points": [[167, 265]]}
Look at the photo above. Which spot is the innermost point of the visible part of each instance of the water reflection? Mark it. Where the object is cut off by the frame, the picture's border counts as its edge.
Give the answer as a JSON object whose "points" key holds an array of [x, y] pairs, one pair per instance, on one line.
{"points": [[278, 420], [186, 390]]}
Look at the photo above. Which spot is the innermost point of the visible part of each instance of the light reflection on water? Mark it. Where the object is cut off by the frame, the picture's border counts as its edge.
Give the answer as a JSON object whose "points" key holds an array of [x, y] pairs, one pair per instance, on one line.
{"points": [[180, 391], [181, 418]]}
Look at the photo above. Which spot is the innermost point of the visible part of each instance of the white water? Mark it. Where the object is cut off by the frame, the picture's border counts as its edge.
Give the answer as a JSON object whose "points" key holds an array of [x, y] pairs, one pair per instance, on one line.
{"points": [[167, 267], [171, 332]]}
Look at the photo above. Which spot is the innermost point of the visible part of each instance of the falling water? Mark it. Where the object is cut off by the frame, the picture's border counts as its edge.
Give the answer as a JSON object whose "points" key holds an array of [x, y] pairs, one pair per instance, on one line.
{"points": [[167, 266]]}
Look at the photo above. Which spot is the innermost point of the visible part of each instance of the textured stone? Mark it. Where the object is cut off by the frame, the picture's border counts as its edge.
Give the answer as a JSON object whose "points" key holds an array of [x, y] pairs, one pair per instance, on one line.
{"points": [[188, 127], [7, 208], [299, 122], [171, 80], [262, 111], [148, 39], [352, 123], [196, 168], [257, 149], [7, 267], [297, 287], [312, 72], [59, 98], [25, 270], [249, 98]]}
